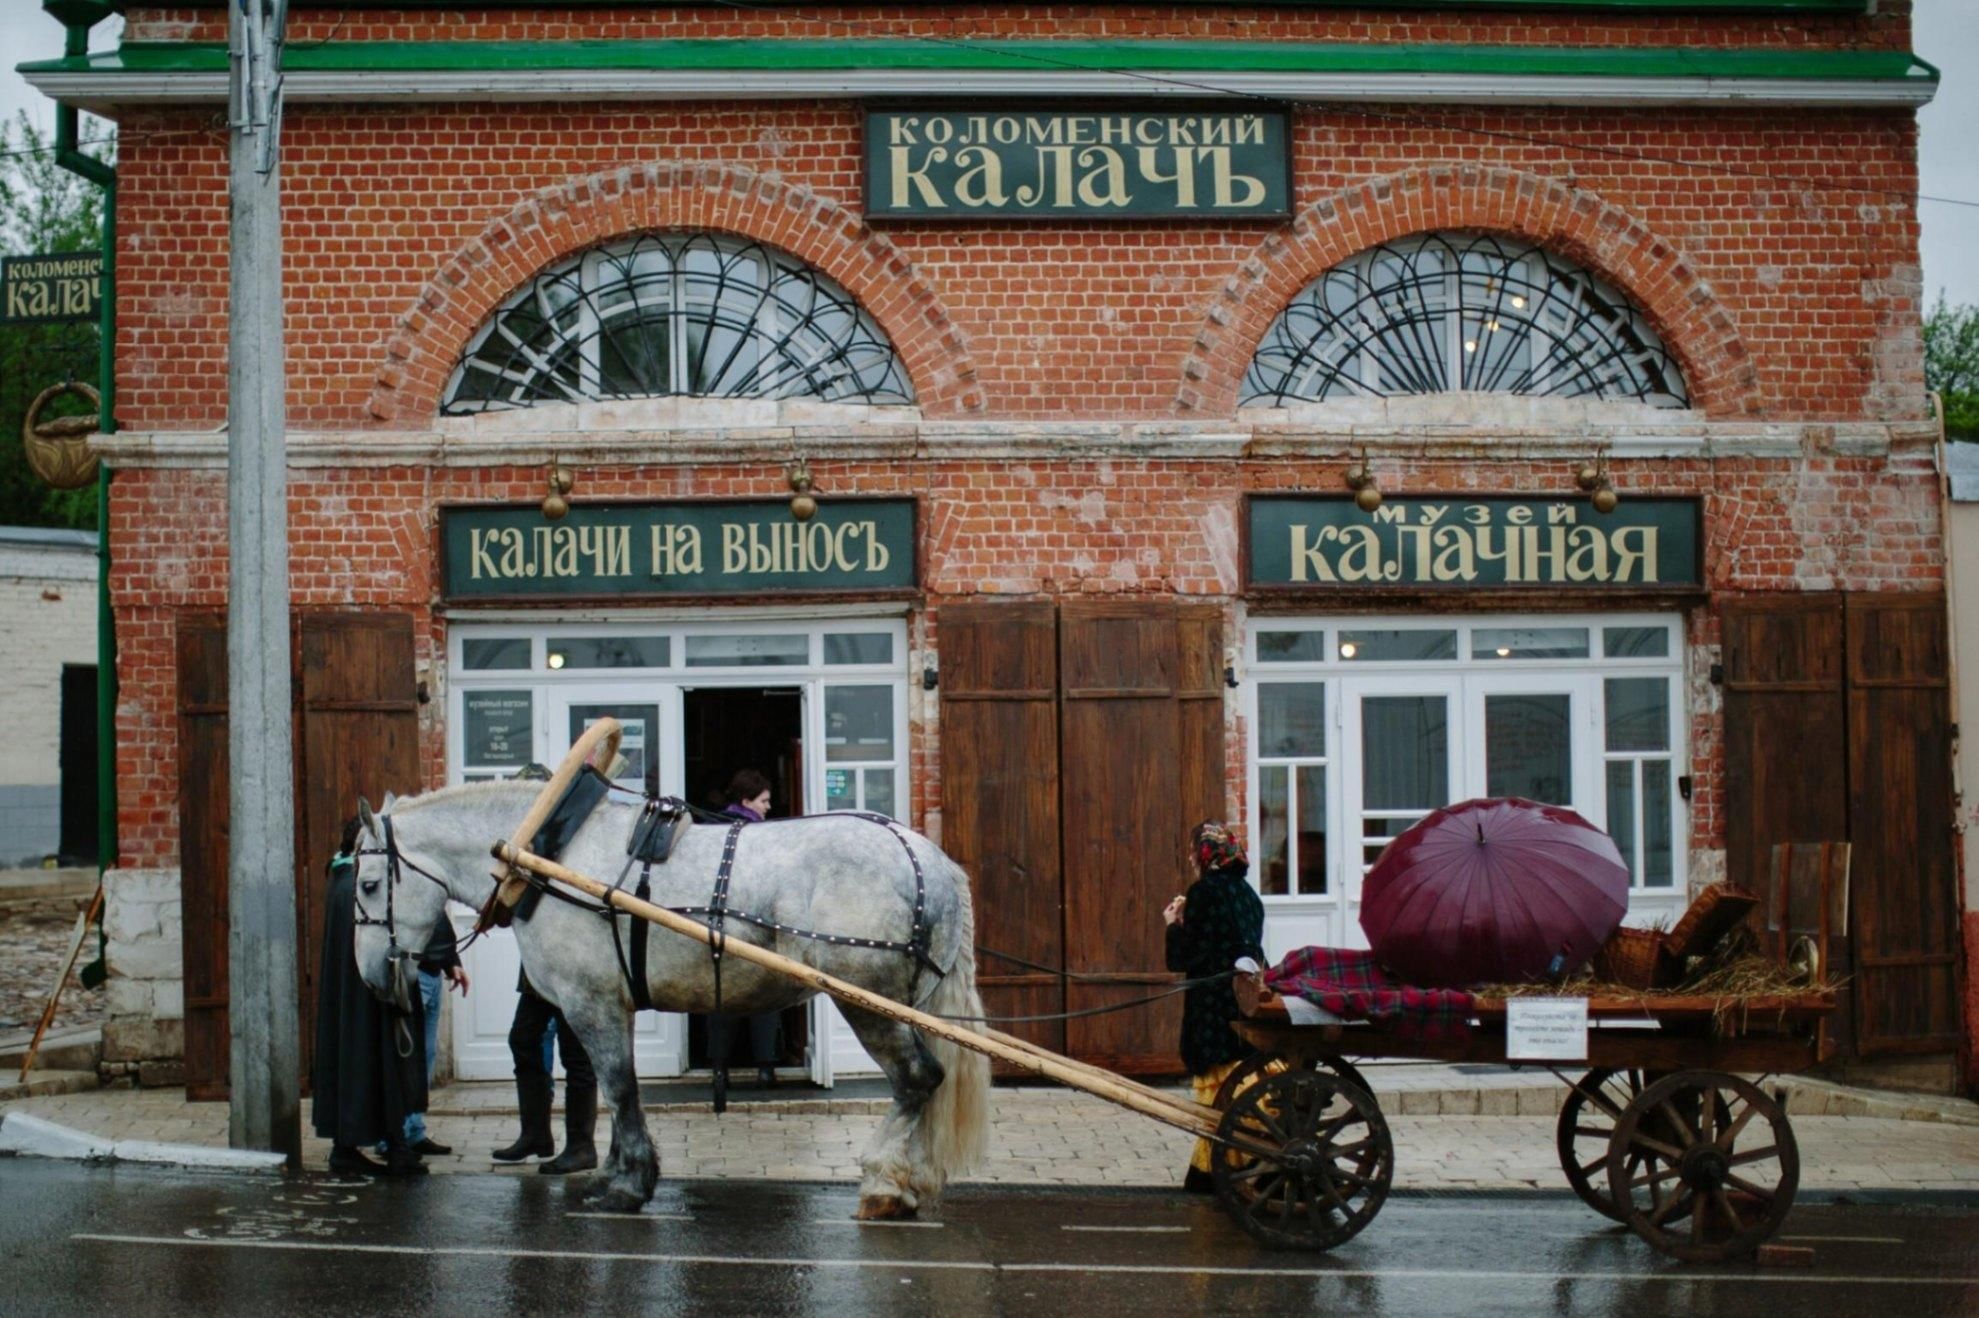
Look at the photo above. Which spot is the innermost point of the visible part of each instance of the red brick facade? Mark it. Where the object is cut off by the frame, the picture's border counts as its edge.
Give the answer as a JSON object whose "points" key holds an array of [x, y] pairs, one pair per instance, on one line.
{"points": [[1772, 249]]}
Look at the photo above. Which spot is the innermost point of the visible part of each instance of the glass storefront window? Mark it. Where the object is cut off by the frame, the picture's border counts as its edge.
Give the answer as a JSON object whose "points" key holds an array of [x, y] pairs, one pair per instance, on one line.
{"points": [[747, 650], [1529, 643], [607, 652], [858, 647], [858, 723], [1396, 645], [1291, 647], [487, 654], [499, 728], [1528, 747], [1291, 719], [1635, 642]]}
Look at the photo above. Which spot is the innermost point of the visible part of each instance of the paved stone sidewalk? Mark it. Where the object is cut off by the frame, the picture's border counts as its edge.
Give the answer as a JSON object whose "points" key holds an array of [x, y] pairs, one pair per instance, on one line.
{"points": [[1049, 1136]]}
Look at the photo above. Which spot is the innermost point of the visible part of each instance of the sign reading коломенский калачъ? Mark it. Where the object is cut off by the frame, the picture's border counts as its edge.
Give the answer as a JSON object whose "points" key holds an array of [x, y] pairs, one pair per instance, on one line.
{"points": [[702, 547], [1015, 162], [1455, 541]]}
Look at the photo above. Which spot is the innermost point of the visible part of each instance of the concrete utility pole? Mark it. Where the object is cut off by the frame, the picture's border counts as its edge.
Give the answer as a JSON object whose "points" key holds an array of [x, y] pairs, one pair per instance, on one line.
{"points": [[266, 1093]]}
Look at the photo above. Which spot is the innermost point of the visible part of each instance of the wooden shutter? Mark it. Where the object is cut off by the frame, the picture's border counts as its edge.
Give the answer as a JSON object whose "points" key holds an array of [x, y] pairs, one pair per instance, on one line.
{"points": [[1903, 894], [1142, 761], [999, 799], [203, 814], [1786, 772], [358, 736]]}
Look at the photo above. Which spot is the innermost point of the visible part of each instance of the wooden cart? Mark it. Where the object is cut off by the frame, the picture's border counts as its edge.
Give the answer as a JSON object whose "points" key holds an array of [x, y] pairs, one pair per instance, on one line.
{"points": [[1661, 1133]]}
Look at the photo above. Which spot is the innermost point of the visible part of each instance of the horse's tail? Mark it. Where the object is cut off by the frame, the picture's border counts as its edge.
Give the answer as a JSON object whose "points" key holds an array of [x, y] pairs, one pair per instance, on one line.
{"points": [[957, 1117]]}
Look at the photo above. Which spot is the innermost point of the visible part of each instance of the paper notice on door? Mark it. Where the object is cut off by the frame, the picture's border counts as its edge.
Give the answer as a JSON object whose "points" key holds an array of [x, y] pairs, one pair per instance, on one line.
{"points": [[1546, 1030]]}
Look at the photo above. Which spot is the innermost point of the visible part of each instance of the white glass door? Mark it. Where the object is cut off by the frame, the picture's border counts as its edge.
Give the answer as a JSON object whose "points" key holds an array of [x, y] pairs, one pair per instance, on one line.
{"points": [[1531, 735], [650, 717], [1397, 734]]}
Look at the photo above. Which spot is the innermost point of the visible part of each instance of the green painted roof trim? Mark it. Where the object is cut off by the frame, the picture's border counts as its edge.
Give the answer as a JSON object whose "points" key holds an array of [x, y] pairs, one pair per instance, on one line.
{"points": [[1104, 56]]}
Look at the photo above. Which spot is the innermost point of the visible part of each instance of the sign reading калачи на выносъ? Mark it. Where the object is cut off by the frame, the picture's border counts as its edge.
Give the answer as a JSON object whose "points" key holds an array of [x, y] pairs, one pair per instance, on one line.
{"points": [[1458, 541], [710, 547], [1052, 164]]}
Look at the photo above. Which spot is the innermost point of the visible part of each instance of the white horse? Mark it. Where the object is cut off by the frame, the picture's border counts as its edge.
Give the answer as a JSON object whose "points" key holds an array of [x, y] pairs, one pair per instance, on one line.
{"points": [[833, 874]]}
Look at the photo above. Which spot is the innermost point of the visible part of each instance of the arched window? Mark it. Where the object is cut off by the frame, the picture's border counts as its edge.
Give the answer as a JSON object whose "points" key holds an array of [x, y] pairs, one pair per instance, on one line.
{"points": [[678, 314], [1447, 311]]}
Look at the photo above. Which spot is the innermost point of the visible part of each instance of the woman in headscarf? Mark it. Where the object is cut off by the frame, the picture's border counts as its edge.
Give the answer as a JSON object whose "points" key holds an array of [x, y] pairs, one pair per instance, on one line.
{"points": [[1217, 922]]}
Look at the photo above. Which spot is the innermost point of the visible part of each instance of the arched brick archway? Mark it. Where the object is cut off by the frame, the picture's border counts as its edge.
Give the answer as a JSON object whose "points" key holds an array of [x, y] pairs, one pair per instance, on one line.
{"points": [[1694, 325], [556, 222]]}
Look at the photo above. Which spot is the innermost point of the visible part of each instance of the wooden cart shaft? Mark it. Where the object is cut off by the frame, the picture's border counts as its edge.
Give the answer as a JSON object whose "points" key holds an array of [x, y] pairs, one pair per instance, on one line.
{"points": [[1182, 1114]]}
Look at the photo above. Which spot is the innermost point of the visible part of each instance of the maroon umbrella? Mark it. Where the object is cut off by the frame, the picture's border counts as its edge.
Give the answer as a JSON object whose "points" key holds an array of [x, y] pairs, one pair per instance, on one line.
{"points": [[1491, 891]]}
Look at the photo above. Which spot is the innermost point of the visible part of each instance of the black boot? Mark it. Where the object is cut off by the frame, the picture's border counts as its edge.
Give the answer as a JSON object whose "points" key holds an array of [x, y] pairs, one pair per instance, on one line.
{"points": [[348, 1160], [402, 1161], [533, 1093], [580, 1121]]}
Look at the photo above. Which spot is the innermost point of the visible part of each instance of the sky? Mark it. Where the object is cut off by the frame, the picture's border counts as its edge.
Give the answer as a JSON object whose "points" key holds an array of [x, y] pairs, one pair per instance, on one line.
{"points": [[1946, 32]]}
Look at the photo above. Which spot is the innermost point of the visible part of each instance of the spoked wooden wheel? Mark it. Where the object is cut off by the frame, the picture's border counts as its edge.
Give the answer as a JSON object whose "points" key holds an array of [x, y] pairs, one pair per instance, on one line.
{"points": [[1259, 1064], [1307, 1160], [1703, 1166], [1594, 1106]]}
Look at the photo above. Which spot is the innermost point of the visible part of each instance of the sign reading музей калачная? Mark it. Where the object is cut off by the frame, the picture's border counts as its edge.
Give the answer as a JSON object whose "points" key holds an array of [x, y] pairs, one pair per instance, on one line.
{"points": [[1092, 164], [1470, 540], [703, 547]]}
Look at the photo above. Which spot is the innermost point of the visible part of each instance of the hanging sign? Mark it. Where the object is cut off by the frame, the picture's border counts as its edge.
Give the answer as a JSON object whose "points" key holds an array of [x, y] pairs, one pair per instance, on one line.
{"points": [[1326, 541], [1086, 164], [705, 548], [56, 286]]}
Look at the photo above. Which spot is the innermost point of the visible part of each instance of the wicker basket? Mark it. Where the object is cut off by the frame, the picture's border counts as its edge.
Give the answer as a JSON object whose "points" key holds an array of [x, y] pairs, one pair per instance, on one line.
{"points": [[1632, 957], [1718, 910]]}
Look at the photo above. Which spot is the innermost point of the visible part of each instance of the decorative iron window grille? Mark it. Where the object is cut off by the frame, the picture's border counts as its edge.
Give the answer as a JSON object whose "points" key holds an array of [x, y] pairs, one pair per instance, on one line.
{"points": [[678, 314], [1446, 312]]}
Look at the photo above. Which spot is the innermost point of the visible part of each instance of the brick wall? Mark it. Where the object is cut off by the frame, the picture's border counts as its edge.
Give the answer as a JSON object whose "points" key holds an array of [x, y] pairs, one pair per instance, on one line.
{"points": [[1007, 527]]}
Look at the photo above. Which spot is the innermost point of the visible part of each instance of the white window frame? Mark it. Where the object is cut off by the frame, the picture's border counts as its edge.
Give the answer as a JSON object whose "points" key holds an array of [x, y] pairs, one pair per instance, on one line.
{"points": [[1342, 758]]}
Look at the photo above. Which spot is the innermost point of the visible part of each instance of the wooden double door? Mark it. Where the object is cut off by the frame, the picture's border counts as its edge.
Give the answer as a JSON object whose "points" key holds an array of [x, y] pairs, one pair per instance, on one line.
{"points": [[356, 732], [1838, 729], [1080, 742]]}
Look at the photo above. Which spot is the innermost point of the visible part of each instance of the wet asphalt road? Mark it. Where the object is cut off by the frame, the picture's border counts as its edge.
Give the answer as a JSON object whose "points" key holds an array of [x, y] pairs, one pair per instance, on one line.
{"points": [[79, 1239]]}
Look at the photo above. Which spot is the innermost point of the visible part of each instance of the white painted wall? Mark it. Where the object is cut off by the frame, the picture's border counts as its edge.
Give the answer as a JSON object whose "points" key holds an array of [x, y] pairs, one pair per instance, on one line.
{"points": [[1962, 550], [48, 598]]}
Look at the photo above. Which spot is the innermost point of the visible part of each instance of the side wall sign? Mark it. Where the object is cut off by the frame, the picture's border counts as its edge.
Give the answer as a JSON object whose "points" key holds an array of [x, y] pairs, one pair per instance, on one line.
{"points": [[1091, 164], [56, 286], [1459, 541], [705, 548]]}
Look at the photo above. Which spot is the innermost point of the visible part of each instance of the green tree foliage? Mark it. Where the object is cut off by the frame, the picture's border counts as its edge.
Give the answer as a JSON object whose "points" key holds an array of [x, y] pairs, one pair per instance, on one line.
{"points": [[1951, 364], [43, 208]]}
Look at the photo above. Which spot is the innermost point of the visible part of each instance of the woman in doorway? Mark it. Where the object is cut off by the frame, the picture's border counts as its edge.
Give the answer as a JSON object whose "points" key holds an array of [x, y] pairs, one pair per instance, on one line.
{"points": [[1219, 921], [748, 798]]}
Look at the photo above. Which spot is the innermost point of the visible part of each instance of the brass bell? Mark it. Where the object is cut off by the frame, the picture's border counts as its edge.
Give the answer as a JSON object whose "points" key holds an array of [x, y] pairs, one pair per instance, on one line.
{"points": [[1588, 477], [1605, 499]]}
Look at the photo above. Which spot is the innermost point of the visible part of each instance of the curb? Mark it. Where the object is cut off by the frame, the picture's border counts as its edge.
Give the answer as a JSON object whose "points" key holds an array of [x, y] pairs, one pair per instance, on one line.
{"points": [[28, 1136]]}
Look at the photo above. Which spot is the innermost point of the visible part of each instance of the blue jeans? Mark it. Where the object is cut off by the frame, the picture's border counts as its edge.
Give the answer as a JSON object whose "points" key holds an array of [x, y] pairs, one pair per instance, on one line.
{"points": [[430, 991]]}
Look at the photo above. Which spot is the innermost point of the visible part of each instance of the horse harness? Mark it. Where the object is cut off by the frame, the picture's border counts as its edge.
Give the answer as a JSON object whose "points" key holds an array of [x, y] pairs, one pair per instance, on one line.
{"points": [[397, 958], [662, 821]]}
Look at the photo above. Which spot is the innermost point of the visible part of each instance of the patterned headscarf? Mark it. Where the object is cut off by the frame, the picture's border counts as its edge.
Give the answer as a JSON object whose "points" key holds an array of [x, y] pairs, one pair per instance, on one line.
{"points": [[1217, 848]]}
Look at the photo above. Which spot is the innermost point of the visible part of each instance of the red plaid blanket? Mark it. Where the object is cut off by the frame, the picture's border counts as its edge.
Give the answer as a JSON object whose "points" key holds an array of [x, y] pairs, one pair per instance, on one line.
{"points": [[1353, 986]]}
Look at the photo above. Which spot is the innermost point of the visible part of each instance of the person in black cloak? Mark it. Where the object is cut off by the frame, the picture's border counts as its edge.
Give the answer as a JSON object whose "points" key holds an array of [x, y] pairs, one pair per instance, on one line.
{"points": [[369, 1071], [1219, 920]]}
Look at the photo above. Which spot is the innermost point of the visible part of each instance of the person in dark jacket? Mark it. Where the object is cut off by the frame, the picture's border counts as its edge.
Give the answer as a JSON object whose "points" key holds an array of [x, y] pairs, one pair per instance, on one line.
{"points": [[529, 1049], [1217, 922], [748, 800], [368, 1075]]}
